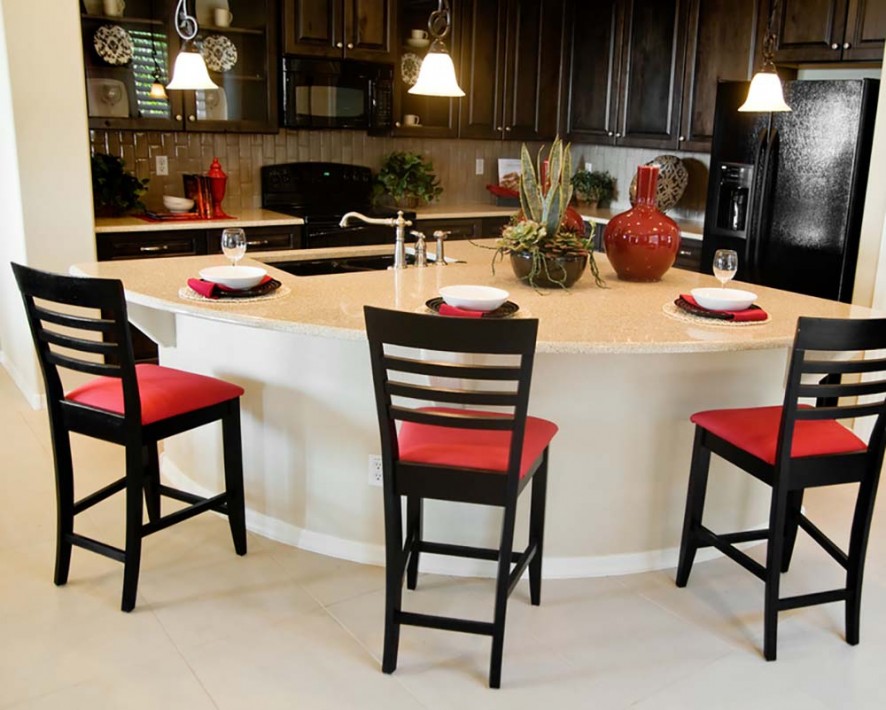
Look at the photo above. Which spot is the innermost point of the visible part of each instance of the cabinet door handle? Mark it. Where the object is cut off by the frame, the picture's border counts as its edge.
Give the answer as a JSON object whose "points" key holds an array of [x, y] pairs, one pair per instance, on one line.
{"points": [[507, 129], [618, 135], [192, 118], [609, 133], [159, 247], [397, 124], [835, 46], [339, 44], [846, 45], [681, 139], [498, 128], [684, 252], [178, 117], [258, 243], [350, 45]]}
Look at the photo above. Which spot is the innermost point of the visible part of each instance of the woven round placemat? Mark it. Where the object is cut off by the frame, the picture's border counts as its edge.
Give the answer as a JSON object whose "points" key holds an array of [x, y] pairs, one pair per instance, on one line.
{"points": [[189, 294], [670, 309]]}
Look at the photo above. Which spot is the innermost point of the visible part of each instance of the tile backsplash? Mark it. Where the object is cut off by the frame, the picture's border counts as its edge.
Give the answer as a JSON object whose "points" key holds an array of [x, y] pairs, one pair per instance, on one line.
{"points": [[454, 161]]}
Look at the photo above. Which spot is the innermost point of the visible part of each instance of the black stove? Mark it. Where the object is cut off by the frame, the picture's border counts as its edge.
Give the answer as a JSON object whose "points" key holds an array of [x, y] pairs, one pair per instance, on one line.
{"points": [[320, 193]]}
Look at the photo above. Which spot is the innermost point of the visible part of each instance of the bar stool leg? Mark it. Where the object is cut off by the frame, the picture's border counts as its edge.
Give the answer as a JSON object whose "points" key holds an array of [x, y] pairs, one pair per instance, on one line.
{"points": [[774, 552], [414, 516], [394, 568], [64, 491], [537, 528], [695, 497], [858, 543], [152, 481], [792, 524], [133, 551], [501, 591], [233, 459]]}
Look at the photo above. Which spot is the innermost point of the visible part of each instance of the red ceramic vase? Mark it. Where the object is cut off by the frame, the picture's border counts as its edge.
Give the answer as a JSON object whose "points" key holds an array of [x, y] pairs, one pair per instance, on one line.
{"points": [[642, 243]]}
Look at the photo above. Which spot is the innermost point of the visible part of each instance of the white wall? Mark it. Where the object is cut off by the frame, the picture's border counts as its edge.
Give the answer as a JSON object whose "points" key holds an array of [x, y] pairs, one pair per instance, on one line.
{"points": [[46, 195]]}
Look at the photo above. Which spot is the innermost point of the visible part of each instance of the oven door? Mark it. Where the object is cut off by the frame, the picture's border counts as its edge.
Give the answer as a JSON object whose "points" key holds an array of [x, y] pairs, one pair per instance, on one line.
{"points": [[321, 94]]}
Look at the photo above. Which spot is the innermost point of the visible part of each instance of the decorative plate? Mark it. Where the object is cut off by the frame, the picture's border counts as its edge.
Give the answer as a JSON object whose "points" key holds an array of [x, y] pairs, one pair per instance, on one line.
{"points": [[220, 53], [672, 181], [410, 66], [505, 310], [113, 44]]}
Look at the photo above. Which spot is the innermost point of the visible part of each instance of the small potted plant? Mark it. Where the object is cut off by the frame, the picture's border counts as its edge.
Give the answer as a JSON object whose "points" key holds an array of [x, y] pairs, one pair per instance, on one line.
{"points": [[546, 240], [114, 191], [593, 188], [408, 179]]}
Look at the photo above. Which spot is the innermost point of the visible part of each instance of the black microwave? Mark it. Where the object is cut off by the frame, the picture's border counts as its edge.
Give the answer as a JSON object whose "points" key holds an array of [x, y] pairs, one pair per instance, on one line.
{"points": [[320, 93]]}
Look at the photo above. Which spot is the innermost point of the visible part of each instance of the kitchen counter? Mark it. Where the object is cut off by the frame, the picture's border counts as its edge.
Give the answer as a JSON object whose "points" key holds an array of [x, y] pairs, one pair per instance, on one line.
{"points": [[618, 375], [243, 218]]}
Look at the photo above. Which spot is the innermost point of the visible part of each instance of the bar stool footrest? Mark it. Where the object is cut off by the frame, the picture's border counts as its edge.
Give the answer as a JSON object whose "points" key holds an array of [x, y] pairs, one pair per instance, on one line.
{"points": [[445, 623]]}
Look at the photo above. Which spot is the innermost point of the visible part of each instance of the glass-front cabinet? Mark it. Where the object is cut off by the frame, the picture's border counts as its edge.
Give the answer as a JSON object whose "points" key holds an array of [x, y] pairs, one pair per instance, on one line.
{"points": [[128, 46]]}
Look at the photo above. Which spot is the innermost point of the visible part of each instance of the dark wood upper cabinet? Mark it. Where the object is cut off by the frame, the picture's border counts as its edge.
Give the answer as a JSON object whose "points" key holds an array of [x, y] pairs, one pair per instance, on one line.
{"points": [[335, 29], [510, 68], [593, 39], [811, 31], [626, 71], [644, 72], [720, 46]]}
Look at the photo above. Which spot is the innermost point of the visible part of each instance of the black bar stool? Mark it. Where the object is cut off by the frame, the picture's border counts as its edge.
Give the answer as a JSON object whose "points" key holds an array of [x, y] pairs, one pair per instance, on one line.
{"points": [[456, 453], [132, 405], [793, 447]]}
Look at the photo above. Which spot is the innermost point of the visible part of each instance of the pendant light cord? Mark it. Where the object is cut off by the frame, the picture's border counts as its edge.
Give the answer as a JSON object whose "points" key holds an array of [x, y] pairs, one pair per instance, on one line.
{"points": [[185, 24]]}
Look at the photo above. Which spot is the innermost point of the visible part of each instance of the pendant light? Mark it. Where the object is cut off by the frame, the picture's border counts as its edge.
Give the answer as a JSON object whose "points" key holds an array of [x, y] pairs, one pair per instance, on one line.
{"points": [[189, 71], [437, 74], [766, 94]]}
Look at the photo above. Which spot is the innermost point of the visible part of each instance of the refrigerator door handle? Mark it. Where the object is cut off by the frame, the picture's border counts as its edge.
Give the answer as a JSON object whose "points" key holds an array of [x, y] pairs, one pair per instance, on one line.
{"points": [[761, 237], [757, 198]]}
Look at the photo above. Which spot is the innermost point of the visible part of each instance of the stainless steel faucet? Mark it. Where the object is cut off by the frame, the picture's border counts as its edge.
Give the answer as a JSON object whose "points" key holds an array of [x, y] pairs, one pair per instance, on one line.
{"points": [[398, 223], [421, 252]]}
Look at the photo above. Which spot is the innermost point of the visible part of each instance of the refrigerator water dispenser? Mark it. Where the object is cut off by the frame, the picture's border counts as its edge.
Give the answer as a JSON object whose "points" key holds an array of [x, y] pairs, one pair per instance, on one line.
{"points": [[733, 199]]}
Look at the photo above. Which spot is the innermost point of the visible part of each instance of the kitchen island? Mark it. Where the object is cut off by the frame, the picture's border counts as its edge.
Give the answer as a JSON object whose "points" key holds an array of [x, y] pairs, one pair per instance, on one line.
{"points": [[618, 374]]}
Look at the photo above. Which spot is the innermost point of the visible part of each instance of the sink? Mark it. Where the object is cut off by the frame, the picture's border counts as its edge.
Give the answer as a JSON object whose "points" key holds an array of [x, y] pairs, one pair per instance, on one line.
{"points": [[340, 265]]}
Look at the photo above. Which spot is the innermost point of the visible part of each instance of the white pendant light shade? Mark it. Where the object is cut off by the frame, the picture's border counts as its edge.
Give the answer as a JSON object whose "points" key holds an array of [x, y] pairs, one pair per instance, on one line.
{"points": [[437, 75], [190, 72], [766, 94]]}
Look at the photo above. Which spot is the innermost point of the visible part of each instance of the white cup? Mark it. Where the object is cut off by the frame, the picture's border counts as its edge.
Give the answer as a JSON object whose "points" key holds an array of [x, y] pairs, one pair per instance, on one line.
{"points": [[113, 8], [222, 17], [410, 119], [418, 34]]}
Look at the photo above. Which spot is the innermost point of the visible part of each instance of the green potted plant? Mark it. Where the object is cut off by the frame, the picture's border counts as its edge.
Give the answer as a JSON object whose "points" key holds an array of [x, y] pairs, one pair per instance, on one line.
{"points": [[593, 188], [114, 191], [546, 240], [408, 179]]}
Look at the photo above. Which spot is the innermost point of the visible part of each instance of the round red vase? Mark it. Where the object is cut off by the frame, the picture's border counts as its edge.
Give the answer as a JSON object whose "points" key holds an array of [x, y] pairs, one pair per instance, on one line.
{"points": [[642, 243]]}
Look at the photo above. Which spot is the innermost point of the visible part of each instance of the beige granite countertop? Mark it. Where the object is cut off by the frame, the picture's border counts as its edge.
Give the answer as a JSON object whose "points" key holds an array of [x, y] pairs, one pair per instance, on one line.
{"points": [[622, 318], [243, 218]]}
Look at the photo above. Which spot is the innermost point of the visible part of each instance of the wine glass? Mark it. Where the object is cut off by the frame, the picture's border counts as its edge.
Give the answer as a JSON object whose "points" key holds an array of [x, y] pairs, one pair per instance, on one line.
{"points": [[725, 265], [233, 244]]}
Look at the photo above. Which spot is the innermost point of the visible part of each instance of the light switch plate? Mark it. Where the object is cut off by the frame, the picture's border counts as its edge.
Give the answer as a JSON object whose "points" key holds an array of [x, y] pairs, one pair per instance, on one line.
{"points": [[589, 167], [480, 167], [162, 165]]}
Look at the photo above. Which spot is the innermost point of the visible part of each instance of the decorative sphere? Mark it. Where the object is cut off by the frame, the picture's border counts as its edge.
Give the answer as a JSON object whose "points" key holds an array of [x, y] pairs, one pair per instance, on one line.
{"points": [[673, 177]]}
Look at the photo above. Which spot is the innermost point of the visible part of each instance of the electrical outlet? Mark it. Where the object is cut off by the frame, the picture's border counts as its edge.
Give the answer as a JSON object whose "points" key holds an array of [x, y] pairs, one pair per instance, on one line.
{"points": [[375, 470], [589, 167], [480, 167], [162, 163]]}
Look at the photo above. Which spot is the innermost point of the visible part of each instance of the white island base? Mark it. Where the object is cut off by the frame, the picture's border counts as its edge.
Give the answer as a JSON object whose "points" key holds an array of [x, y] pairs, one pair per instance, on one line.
{"points": [[617, 375]]}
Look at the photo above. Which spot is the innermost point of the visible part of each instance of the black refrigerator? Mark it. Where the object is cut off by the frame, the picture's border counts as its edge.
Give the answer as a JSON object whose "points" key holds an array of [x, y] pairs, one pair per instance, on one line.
{"points": [[786, 190]]}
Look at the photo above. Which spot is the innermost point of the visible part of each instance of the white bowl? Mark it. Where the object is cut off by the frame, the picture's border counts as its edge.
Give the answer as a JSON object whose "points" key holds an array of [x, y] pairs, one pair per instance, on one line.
{"points": [[177, 204], [723, 299], [474, 298], [239, 277]]}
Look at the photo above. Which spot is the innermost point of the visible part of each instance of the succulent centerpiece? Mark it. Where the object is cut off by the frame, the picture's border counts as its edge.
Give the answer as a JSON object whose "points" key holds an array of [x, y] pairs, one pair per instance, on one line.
{"points": [[547, 240]]}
